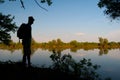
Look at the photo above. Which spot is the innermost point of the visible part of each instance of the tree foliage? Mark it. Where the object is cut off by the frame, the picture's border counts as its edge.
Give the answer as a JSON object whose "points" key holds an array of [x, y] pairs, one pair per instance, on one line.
{"points": [[112, 8], [6, 26], [83, 70], [49, 2]]}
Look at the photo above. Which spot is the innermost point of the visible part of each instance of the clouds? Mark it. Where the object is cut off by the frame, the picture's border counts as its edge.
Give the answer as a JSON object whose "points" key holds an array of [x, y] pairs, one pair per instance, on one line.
{"points": [[113, 35], [79, 34]]}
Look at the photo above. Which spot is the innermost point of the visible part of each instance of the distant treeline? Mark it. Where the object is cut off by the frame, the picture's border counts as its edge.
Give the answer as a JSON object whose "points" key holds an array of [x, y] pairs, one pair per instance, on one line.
{"points": [[59, 44]]}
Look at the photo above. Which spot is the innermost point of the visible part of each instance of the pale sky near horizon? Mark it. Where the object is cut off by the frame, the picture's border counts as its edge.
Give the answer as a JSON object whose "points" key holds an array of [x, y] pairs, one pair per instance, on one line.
{"points": [[80, 20]]}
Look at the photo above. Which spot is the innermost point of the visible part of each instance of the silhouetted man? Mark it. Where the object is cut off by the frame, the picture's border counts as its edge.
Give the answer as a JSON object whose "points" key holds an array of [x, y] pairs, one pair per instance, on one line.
{"points": [[26, 41]]}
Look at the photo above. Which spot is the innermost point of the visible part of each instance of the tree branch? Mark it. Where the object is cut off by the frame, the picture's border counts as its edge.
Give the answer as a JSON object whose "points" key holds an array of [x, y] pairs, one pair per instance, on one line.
{"points": [[40, 5]]}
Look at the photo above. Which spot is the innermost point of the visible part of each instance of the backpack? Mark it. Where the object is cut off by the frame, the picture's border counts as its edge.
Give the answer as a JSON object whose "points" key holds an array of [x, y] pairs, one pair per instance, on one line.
{"points": [[21, 31]]}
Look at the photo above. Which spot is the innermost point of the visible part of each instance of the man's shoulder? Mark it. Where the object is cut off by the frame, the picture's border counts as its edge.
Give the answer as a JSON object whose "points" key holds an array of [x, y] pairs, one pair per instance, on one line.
{"points": [[23, 24]]}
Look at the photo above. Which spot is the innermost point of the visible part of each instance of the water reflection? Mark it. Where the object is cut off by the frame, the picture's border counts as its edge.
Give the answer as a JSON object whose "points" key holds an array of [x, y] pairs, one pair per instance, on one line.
{"points": [[6, 55], [83, 70], [109, 62], [103, 51]]}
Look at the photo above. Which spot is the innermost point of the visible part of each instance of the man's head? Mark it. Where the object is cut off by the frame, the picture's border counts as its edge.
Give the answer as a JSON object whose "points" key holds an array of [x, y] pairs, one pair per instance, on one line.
{"points": [[30, 20]]}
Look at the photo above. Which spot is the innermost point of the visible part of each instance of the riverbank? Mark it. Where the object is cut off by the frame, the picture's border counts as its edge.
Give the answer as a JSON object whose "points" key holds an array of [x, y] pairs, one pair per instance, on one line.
{"points": [[16, 71]]}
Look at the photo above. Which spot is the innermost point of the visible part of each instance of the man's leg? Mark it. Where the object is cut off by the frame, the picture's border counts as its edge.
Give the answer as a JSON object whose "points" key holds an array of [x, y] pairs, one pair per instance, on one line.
{"points": [[29, 52], [24, 55], [28, 57]]}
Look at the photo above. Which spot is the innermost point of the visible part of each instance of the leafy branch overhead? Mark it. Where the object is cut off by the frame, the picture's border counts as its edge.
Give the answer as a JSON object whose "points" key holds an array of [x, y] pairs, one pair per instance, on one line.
{"points": [[112, 8], [49, 2]]}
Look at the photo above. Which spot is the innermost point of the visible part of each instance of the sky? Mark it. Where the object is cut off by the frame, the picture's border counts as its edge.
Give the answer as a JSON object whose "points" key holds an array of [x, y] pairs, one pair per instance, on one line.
{"points": [[68, 20]]}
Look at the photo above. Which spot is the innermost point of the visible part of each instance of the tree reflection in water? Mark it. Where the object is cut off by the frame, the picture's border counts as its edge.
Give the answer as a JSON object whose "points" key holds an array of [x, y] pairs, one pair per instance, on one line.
{"points": [[84, 69]]}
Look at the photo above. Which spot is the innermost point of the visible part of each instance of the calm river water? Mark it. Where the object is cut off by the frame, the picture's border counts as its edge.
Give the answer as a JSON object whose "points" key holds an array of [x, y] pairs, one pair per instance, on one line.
{"points": [[109, 61]]}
